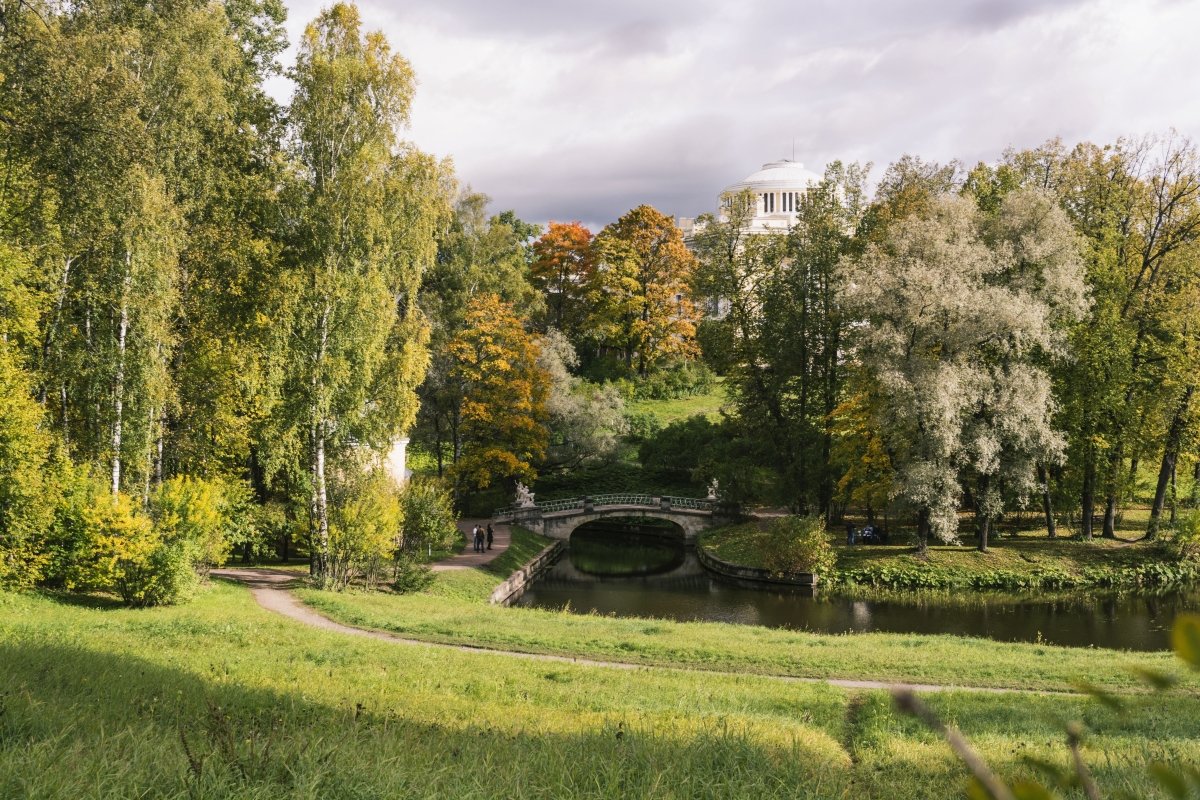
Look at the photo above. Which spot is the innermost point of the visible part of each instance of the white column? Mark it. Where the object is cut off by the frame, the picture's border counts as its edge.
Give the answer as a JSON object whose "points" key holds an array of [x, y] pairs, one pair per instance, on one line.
{"points": [[394, 461]]}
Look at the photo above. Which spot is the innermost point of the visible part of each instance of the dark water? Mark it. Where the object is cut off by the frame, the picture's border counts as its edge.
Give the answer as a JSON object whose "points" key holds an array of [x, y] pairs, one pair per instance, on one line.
{"points": [[617, 573]]}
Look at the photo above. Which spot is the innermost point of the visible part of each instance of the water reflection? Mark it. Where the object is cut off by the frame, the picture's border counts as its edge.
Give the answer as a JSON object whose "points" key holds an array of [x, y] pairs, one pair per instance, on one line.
{"points": [[631, 576]]}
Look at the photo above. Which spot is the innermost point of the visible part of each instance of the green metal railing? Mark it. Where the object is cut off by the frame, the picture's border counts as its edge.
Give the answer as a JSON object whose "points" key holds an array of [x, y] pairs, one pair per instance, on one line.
{"points": [[598, 501]]}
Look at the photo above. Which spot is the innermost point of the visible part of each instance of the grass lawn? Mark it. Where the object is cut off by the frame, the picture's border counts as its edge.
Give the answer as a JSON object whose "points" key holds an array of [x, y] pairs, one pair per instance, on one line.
{"points": [[221, 699], [668, 411]]}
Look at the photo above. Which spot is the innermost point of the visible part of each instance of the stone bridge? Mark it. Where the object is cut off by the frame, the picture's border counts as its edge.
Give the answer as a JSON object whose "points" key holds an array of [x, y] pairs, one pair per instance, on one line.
{"points": [[557, 519]]}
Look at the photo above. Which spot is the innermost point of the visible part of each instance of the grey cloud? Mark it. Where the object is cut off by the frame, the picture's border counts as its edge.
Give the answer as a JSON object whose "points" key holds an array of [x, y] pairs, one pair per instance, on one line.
{"points": [[666, 103]]}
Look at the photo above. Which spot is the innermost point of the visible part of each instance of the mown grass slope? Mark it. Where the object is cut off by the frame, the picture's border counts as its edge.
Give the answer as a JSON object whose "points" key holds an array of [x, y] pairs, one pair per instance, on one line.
{"points": [[221, 699]]}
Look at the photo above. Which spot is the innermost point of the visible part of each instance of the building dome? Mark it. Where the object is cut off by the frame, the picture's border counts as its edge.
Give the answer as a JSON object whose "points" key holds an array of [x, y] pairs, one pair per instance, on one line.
{"points": [[780, 187], [778, 175]]}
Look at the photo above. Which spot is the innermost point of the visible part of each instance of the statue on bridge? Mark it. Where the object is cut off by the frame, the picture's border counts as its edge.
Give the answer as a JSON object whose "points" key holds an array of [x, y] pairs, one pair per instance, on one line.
{"points": [[714, 490], [524, 496]]}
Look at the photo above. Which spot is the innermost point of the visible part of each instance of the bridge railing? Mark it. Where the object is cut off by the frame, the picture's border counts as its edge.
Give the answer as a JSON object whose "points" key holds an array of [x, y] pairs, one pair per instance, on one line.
{"points": [[693, 503], [510, 513], [624, 500]]}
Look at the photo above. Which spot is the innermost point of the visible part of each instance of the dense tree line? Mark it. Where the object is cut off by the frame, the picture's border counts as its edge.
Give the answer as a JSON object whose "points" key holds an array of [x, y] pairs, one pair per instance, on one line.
{"points": [[209, 319], [1020, 334], [218, 316]]}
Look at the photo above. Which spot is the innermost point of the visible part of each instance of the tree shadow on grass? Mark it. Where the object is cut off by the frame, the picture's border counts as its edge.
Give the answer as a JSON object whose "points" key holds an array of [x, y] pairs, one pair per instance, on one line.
{"points": [[80, 722], [103, 602]]}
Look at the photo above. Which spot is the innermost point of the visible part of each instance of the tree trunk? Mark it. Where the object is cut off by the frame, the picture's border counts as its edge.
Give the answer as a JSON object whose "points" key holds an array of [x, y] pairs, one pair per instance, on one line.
{"points": [[1170, 456], [1110, 515], [923, 533], [52, 328], [119, 382], [1044, 480], [320, 504], [319, 508], [1088, 498], [1174, 496], [983, 519]]}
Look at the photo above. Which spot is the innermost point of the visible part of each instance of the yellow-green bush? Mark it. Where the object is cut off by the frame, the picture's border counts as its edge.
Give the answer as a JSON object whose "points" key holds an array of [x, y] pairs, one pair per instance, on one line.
{"points": [[364, 528], [797, 544]]}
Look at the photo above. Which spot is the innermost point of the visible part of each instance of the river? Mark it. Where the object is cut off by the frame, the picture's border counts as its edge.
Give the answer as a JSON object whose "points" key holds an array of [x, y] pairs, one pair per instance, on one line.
{"points": [[614, 572]]}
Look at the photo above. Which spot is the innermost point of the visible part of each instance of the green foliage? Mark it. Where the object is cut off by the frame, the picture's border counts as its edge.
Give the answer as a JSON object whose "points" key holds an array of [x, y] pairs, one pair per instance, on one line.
{"points": [[427, 510], [681, 450], [1185, 638], [639, 292], [908, 576], [123, 553], [1183, 538], [25, 493], [674, 381], [641, 425], [365, 528], [195, 513], [797, 544]]}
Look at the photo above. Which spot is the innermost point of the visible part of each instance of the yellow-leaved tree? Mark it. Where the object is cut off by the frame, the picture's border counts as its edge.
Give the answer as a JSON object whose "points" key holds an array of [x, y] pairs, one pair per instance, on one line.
{"points": [[502, 417]]}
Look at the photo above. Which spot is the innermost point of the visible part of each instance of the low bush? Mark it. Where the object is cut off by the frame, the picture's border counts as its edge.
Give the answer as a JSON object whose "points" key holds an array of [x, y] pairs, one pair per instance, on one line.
{"points": [[641, 425], [1182, 540], [797, 544], [1158, 574], [673, 382], [364, 528]]}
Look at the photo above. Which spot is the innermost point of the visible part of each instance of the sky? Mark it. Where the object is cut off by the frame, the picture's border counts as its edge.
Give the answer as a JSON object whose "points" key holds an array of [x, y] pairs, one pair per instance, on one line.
{"points": [[581, 111]]}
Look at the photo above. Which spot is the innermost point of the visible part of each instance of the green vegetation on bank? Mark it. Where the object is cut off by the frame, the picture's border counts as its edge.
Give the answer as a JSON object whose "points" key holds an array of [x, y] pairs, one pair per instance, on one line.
{"points": [[1020, 562], [221, 699]]}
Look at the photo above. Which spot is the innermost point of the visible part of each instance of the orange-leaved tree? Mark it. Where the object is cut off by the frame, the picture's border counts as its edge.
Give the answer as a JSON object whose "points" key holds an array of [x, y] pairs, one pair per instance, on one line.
{"points": [[502, 423], [561, 267], [639, 297]]}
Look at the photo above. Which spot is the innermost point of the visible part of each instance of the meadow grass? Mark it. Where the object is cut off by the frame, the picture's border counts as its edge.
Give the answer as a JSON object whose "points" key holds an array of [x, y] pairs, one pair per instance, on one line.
{"points": [[222, 699], [453, 610], [668, 411]]}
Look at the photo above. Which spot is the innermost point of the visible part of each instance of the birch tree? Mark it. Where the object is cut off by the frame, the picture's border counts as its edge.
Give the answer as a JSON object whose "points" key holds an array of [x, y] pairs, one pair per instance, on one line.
{"points": [[364, 215]]}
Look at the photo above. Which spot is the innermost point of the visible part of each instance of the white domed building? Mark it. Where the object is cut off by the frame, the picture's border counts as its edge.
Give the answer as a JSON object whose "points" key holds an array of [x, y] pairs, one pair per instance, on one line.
{"points": [[778, 187]]}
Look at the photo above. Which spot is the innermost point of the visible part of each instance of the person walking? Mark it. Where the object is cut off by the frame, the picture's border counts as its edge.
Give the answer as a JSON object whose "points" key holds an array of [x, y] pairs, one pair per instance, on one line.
{"points": [[489, 536], [477, 539]]}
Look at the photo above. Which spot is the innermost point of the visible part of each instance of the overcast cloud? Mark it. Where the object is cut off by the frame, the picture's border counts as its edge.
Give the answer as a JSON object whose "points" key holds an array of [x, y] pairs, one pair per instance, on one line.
{"points": [[563, 112]]}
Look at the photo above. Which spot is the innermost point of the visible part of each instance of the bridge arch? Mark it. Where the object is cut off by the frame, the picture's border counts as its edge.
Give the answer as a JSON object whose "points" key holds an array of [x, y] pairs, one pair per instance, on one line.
{"points": [[559, 519]]}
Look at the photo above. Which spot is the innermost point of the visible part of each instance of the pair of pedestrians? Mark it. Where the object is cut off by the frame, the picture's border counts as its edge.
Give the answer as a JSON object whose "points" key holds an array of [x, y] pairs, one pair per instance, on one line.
{"points": [[479, 537]]}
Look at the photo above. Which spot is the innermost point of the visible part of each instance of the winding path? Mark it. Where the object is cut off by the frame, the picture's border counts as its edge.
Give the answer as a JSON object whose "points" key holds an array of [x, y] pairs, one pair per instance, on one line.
{"points": [[270, 588]]}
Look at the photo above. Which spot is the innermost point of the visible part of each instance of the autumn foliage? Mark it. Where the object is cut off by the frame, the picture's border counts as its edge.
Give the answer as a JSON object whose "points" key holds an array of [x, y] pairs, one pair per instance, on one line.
{"points": [[503, 412]]}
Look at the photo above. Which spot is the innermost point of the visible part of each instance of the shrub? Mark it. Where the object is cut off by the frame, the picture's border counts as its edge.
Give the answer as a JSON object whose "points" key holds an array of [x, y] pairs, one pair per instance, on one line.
{"points": [[797, 544], [1183, 540], [25, 509], [364, 528], [681, 379], [122, 552], [678, 450], [194, 514], [429, 521], [641, 425]]}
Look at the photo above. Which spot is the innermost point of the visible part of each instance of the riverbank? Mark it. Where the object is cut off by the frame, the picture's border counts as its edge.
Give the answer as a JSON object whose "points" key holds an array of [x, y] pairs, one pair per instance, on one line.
{"points": [[454, 610], [1022, 562]]}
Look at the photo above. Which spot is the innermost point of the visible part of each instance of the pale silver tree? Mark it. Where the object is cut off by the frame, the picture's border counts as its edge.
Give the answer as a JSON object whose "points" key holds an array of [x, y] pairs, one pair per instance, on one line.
{"points": [[586, 421], [959, 312]]}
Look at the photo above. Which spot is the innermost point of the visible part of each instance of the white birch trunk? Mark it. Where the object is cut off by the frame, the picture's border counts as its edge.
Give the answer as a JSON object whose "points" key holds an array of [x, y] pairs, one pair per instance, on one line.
{"points": [[119, 383], [320, 503]]}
